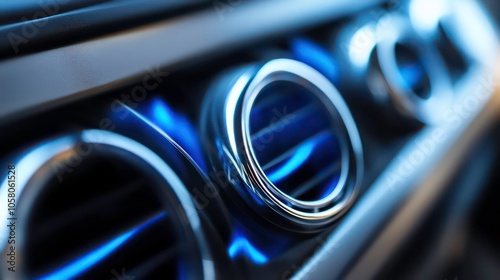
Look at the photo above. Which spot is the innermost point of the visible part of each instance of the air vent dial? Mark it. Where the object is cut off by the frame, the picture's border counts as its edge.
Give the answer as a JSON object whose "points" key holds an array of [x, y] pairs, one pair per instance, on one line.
{"points": [[286, 139]]}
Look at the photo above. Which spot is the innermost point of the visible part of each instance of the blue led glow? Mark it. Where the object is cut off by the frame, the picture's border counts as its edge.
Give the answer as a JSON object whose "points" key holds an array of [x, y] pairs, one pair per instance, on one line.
{"points": [[330, 187], [312, 54], [178, 127], [295, 161], [412, 74], [78, 266], [241, 246], [298, 158], [163, 114]]}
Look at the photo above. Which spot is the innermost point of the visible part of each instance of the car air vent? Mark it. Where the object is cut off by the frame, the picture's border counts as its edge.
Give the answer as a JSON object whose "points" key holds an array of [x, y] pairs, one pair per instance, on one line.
{"points": [[98, 205], [294, 141], [461, 30], [287, 140], [389, 64]]}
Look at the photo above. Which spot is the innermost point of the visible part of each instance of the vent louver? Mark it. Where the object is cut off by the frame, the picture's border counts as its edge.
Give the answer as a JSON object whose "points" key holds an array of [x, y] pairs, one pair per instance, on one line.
{"points": [[295, 142], [287, 141], [397, 73], [113, 212]]}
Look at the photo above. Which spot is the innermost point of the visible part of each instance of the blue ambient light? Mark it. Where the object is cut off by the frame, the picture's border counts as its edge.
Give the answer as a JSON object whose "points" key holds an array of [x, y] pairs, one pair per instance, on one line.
{"points": [[178, 127], [412, 74], [296, 160], [412, 71], [294, 141], [163, 114], [330, 187], [240, 245], [83, 263], [315, 56]]}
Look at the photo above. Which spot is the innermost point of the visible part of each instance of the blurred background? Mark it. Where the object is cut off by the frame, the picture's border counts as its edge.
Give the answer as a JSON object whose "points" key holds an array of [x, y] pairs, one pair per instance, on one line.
{"points": [[247, 139]]}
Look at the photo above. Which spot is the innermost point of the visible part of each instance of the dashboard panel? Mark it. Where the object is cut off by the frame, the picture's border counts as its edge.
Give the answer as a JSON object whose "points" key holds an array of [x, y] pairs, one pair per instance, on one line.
{"points": [[249, 139]]}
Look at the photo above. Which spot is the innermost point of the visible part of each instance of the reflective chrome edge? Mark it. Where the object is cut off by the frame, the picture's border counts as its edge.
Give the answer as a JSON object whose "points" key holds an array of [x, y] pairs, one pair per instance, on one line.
{"points": [[230, 128], [441, 91], [373, 64], [371, 230], [467, 23], [33, 160]]}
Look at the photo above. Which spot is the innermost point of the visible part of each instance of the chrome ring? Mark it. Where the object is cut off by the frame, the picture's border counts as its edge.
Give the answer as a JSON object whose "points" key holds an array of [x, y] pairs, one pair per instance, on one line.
{"points": [[231, 129], [367, 50], [406, 102], [466, 23], [39, 156]]}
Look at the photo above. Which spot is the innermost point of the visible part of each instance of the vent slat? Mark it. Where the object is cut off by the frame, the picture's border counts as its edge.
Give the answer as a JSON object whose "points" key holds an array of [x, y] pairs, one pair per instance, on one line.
{"points": [[297, 115], [112, 216], [303, 161], [268, 146], [316, 180], [87, 209], [275, 107], [281, 158], [300, 151], [155, 262]]}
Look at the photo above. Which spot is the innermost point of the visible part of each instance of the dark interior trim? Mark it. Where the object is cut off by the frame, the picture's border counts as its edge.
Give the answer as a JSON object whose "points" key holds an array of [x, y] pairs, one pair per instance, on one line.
{"points": [[395, 203], [39, 81]]}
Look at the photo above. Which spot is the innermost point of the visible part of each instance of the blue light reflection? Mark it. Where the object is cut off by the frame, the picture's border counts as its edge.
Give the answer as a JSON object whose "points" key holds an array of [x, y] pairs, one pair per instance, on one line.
{"points": [[412, 74], [163, 114], [314, 55], [299, 157], [241, 246], [330, 187], [178, 127], [301, 154], [88, 260]]}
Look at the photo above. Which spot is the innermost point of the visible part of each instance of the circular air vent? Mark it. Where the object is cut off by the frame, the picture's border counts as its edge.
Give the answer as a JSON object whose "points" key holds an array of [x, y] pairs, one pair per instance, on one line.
{"points": [[294, 141], [388, 64], [98, 205], [463, 30], [287, 141]]}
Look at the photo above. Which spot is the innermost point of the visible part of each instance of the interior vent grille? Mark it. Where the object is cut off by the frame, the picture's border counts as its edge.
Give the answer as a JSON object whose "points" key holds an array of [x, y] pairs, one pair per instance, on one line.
{"points": [[294, 141], [399, 75], [98, 211], [288, 142]]}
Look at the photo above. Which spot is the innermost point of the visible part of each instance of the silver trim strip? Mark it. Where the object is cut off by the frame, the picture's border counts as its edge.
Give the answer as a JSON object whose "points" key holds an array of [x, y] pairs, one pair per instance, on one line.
{"points": [[427, 181], [57, 76], [29, 163]]}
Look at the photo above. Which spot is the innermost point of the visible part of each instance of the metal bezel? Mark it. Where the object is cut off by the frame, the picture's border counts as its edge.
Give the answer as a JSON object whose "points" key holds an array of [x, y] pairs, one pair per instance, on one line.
{"points": [[28, 187], [428, 111], [309, 215], [466, 23], [369, 66]]}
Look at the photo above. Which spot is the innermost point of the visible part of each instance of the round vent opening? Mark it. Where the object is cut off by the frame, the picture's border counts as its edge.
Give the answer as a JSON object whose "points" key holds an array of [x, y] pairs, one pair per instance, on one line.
{"points": [[463, 31], [416, 83], [413, 74], [387, 65], [294, 141], [288, 143], [106, 209]]}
